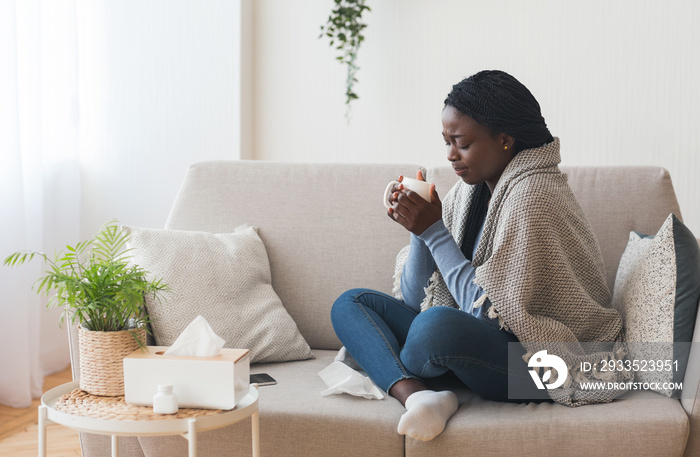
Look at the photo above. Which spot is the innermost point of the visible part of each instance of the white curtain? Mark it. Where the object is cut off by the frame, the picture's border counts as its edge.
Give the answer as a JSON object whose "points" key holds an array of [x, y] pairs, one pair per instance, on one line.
{"points": [[39, 182], [103, 105]]}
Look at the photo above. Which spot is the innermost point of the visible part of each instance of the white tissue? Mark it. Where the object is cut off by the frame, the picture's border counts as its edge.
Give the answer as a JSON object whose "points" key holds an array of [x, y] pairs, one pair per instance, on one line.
{"points": [[198, 340], [345, 357], [341, 379]]}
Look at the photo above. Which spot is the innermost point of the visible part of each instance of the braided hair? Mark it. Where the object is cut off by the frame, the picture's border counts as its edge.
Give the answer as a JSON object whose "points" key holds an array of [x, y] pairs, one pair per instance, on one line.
{"points": [[501, 103]]}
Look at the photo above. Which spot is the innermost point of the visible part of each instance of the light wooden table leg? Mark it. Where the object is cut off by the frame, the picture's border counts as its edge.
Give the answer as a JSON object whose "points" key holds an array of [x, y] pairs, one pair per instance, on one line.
{"points": [[255, 425], [42, 430], [115, 446], [192, 437]]}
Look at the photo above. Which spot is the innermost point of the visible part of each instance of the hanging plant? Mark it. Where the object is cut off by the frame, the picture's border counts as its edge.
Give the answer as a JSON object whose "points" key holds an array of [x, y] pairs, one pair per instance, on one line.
{"points": [[344, 28]]}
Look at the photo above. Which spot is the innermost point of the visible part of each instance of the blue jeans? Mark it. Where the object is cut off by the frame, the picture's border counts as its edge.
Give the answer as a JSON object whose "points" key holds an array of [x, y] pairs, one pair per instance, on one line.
{"points": [[391, 342]]}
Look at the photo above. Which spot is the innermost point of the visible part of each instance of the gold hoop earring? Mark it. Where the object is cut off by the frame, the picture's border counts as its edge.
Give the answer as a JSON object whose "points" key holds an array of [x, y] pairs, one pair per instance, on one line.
{"points": [[506, 148]]}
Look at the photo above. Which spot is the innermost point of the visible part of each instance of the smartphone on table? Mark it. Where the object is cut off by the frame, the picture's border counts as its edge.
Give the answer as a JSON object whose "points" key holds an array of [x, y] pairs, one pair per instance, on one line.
{"points": [[262, 379]]}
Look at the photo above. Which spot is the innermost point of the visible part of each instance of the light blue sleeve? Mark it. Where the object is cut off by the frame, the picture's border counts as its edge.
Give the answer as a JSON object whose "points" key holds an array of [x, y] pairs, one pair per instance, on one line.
{"points": [[457, 271], [417, 269]]}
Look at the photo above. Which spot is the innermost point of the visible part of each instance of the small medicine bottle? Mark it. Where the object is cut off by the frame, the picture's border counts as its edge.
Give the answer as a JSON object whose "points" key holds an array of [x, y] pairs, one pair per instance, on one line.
{"points": [[165, 401]]}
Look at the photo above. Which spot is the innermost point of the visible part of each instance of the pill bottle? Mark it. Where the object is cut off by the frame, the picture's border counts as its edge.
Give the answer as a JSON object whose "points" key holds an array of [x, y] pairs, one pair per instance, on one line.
{"points": [[165, 401]]}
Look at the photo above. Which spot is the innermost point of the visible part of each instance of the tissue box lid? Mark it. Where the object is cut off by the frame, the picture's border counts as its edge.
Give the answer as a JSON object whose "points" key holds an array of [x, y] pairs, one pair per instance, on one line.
{"points": [[157, 353]]}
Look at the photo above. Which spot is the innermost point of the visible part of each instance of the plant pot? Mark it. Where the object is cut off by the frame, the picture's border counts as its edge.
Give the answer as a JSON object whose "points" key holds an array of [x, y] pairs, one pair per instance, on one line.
{"points": [[101, 359]]}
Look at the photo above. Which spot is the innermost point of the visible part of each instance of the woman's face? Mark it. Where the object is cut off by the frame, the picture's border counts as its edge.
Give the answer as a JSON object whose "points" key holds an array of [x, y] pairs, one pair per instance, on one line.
{"points": [[476, 154]]}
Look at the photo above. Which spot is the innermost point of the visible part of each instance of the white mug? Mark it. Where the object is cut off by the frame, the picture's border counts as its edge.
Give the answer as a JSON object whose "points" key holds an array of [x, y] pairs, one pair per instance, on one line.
{"points": [[422, 188]]}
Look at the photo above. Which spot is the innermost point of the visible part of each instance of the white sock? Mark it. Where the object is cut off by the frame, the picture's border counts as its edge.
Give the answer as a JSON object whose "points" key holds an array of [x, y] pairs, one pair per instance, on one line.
{"points": [[427, 413]]}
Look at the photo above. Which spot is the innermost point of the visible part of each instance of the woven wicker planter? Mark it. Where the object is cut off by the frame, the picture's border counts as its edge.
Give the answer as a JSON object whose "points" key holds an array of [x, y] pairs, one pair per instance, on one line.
{"points": [[101, 359]]}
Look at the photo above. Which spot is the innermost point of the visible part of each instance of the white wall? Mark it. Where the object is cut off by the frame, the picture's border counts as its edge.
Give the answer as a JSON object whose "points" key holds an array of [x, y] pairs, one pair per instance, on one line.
{"points": [[160, 88], [616, 80]]}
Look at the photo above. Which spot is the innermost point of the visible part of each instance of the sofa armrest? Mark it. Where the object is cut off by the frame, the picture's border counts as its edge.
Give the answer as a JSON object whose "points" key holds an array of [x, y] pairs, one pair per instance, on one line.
{"points": [[691, 389]]}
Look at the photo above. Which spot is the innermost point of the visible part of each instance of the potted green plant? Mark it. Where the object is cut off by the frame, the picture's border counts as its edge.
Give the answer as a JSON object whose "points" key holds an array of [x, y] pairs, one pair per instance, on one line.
{"points": [[99, 289]]}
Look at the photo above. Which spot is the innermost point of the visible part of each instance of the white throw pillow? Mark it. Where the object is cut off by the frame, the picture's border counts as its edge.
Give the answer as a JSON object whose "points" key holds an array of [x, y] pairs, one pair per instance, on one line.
{"points": [[226, 279], [657, 287]]}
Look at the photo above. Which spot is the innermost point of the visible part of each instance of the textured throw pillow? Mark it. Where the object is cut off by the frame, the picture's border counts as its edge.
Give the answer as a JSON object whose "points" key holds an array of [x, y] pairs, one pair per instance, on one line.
{"points": [[657, 288], [226, 279]]}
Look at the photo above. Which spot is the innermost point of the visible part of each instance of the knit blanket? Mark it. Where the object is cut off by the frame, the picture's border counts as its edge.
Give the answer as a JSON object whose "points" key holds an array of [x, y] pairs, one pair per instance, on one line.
{"points": [[540, 265]]}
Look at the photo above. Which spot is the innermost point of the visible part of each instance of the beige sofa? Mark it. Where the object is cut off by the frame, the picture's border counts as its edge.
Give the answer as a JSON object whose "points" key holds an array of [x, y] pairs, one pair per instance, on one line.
{"points": [[326, 231]]}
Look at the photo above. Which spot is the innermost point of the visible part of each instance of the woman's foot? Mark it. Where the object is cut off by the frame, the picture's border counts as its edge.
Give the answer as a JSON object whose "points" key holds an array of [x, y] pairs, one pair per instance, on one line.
{"points": [[427, 413]]}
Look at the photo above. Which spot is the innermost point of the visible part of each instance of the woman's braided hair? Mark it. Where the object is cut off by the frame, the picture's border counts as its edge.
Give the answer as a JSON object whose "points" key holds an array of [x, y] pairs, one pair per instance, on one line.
{"points": [[500, 102]]}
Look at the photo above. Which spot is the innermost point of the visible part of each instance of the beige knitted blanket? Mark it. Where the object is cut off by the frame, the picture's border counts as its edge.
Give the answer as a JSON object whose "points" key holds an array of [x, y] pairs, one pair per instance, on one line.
{"points": [[540, 265]]}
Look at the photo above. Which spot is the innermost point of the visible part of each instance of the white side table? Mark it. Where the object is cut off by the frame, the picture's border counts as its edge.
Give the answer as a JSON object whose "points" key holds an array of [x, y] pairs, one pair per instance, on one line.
{"points": [[188, 427]]}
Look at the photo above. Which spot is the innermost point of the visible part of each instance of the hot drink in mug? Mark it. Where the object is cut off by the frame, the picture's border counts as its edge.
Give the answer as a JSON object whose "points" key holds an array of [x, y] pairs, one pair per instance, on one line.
{"points": [[422, 188]]}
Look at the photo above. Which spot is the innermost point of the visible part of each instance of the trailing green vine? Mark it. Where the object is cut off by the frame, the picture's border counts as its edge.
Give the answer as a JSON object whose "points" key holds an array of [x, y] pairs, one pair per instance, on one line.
{"points": [[344, 29]]}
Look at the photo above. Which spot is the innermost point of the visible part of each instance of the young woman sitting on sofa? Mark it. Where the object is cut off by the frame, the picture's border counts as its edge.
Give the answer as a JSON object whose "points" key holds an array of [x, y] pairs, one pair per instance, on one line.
{"points": [[507, 257]]}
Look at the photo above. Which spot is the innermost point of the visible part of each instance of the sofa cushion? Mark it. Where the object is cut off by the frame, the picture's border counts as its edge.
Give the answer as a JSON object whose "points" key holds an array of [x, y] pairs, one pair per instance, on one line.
{"points": [[296, 421], [226, 279], [324, 226], [644, 423], [617, 200]]}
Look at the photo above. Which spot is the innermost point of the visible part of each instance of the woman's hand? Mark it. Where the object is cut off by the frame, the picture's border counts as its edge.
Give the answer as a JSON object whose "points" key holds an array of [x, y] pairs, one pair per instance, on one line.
{"points": [[410, 209], [394, 191]]}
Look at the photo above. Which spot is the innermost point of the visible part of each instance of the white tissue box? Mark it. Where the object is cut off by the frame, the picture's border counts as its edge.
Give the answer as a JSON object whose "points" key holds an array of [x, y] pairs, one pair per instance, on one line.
{"points": [[217, 382]]}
